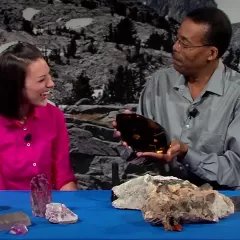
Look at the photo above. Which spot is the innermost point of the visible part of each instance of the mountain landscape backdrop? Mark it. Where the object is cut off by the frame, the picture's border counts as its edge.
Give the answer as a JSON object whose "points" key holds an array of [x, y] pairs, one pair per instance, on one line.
{"points": [[101, 52]]}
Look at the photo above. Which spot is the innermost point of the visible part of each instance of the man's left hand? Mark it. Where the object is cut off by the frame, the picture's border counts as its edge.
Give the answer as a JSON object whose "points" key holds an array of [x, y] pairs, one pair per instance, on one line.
{"points": [[177, 149]]}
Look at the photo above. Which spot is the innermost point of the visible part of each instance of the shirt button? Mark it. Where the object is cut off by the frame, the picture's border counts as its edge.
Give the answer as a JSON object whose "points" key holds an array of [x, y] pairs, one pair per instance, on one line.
{"points": [[24, 129], [34, 164], [181, 168], [28, 144], [187, 126], [186, 165]]}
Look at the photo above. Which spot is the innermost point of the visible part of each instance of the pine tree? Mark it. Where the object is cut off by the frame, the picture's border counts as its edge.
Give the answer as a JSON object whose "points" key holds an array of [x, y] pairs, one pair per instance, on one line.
{"points": [[27, 26], [6, 18], [114, 88], [124, 32], [90, 4], [110, 33], [72, 48], [130, 87], [82, 87], [123, 88], [119, 8], [155, 41]]}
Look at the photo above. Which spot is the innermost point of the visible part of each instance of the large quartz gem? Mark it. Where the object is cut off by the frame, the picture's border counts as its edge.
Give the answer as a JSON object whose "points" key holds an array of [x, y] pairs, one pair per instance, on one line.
{"points": [[40, 195]]}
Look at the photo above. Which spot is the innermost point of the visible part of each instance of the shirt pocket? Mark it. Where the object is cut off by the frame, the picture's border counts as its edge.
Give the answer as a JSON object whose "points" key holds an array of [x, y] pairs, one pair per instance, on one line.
{"points": [[210, 142]]}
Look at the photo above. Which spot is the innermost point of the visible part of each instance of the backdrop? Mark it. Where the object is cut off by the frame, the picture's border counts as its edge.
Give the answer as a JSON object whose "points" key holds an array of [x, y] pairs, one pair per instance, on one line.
{"points": [[101, 53]]}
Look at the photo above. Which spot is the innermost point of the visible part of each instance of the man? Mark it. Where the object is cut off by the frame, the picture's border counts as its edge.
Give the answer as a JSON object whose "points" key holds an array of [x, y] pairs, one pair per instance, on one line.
{"points": [[197, 102]]}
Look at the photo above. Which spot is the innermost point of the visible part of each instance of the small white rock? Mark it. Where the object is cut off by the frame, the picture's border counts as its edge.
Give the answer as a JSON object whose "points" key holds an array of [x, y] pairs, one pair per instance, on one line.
{"points": [[59, 213]]}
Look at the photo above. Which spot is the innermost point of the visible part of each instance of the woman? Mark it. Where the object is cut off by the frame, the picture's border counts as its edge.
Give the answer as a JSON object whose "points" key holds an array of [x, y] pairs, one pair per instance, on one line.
{"points": [[34, 137]]}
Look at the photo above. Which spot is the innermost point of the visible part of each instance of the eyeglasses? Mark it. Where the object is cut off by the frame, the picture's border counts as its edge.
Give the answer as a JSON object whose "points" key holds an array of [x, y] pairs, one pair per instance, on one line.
{"points": [[186, 46]]}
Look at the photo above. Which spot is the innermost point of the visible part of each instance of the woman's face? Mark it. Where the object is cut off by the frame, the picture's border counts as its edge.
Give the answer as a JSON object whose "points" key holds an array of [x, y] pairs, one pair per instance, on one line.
{"points": [[38, 83]]}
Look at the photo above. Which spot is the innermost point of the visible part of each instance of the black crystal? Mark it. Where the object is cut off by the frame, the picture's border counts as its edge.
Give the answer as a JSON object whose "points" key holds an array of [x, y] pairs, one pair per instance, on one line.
{"points": [[141, 133]]}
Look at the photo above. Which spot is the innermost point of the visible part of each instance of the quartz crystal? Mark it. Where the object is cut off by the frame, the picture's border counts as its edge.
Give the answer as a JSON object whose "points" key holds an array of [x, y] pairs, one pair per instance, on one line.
{"points": [[40, 195], [18, 229], [59, 213]]}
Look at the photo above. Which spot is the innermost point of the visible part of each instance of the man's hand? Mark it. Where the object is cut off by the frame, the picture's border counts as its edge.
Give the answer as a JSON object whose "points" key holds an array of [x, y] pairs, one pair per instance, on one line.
{"points": [[177, 149]]}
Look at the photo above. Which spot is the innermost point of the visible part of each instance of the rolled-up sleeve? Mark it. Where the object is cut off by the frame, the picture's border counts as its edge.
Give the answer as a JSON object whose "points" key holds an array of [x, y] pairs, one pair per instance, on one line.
{"points": [[62, 169], [225, 169]]}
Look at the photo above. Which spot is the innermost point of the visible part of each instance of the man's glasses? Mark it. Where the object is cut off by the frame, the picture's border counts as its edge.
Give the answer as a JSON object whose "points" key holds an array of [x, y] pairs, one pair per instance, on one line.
{"points": [[186, 46]]}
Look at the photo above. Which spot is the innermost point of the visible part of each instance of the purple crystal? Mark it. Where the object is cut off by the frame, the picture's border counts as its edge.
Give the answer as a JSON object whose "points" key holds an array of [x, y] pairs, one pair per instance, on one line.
{"points": [[41, 195], [18, 229]]}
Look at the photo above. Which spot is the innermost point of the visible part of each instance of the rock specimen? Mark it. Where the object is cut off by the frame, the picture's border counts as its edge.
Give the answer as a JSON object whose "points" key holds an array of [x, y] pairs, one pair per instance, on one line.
{"points": [[18, 229], [40, 195], [133, 193], [171, 205], [59, 213], [10, 219]]}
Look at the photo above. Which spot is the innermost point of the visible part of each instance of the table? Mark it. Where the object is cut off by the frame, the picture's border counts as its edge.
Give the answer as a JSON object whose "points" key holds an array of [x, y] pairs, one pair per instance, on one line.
{"points": [[99, 220]]}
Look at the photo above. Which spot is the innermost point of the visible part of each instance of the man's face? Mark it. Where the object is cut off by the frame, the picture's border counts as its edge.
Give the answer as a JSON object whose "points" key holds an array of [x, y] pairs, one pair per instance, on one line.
{"points": [[190, 54]]}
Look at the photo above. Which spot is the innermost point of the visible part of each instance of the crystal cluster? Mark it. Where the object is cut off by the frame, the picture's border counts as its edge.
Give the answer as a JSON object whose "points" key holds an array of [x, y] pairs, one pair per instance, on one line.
{"points": [[18, 229], [171, 205], [59, 213], [41, 195]]}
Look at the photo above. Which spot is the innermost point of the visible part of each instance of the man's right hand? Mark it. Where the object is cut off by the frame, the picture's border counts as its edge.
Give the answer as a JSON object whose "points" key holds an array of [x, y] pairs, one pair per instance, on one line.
{"points": [[117, 133]]}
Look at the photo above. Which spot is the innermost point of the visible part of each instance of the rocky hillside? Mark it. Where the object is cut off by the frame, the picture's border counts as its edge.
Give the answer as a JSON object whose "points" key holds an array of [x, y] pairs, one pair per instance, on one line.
{"points": [[100, 53], [177, 9]]}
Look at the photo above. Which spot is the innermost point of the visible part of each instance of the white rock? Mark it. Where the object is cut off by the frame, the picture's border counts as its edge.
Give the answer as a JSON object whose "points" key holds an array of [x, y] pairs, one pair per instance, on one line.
{"points": [[59, 213], [133, 193]]}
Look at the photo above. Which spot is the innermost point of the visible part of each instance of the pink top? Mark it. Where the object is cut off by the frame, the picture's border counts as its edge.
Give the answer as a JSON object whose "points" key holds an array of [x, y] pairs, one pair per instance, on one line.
{"points": [[41, 145]]}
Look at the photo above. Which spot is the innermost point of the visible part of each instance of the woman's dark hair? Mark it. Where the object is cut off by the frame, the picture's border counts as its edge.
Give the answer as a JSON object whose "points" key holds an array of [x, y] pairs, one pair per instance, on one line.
{"points": [[219, 31], [13, 64]]}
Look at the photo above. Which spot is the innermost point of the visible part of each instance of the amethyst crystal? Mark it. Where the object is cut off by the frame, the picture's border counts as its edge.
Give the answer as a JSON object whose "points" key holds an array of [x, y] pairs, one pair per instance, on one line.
{"points": [[18, 229], [40, 195], [59, 213]]}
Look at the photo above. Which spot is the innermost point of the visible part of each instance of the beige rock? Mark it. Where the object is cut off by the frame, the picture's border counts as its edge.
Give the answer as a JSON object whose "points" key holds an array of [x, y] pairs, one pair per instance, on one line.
{"points": [[133, 193], [7, 220], [172, 204]]}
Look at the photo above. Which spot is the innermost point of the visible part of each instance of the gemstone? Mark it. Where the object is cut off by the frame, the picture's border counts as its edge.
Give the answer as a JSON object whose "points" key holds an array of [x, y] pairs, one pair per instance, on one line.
{"points": [[141, 133], [7, 220], [18, 229], [41, 195], [59, 213]]}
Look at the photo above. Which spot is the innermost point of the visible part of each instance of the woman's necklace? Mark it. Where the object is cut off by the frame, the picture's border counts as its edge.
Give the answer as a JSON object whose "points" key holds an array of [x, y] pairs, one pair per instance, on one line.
{"points": [[23, 120]]}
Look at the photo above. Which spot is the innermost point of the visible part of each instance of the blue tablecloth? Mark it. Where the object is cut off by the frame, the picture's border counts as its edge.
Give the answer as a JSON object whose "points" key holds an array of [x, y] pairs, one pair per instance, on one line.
{"points": [[99, 220]]}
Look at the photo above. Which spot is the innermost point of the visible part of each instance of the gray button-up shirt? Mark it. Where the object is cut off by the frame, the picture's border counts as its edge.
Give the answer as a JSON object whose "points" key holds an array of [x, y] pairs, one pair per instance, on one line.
{"points": [[213, 135]]}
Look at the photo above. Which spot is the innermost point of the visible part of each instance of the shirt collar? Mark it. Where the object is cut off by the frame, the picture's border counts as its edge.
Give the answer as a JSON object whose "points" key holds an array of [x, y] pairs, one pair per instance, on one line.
{"points": [[215, 83], [180, 83], [13, 122]]}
